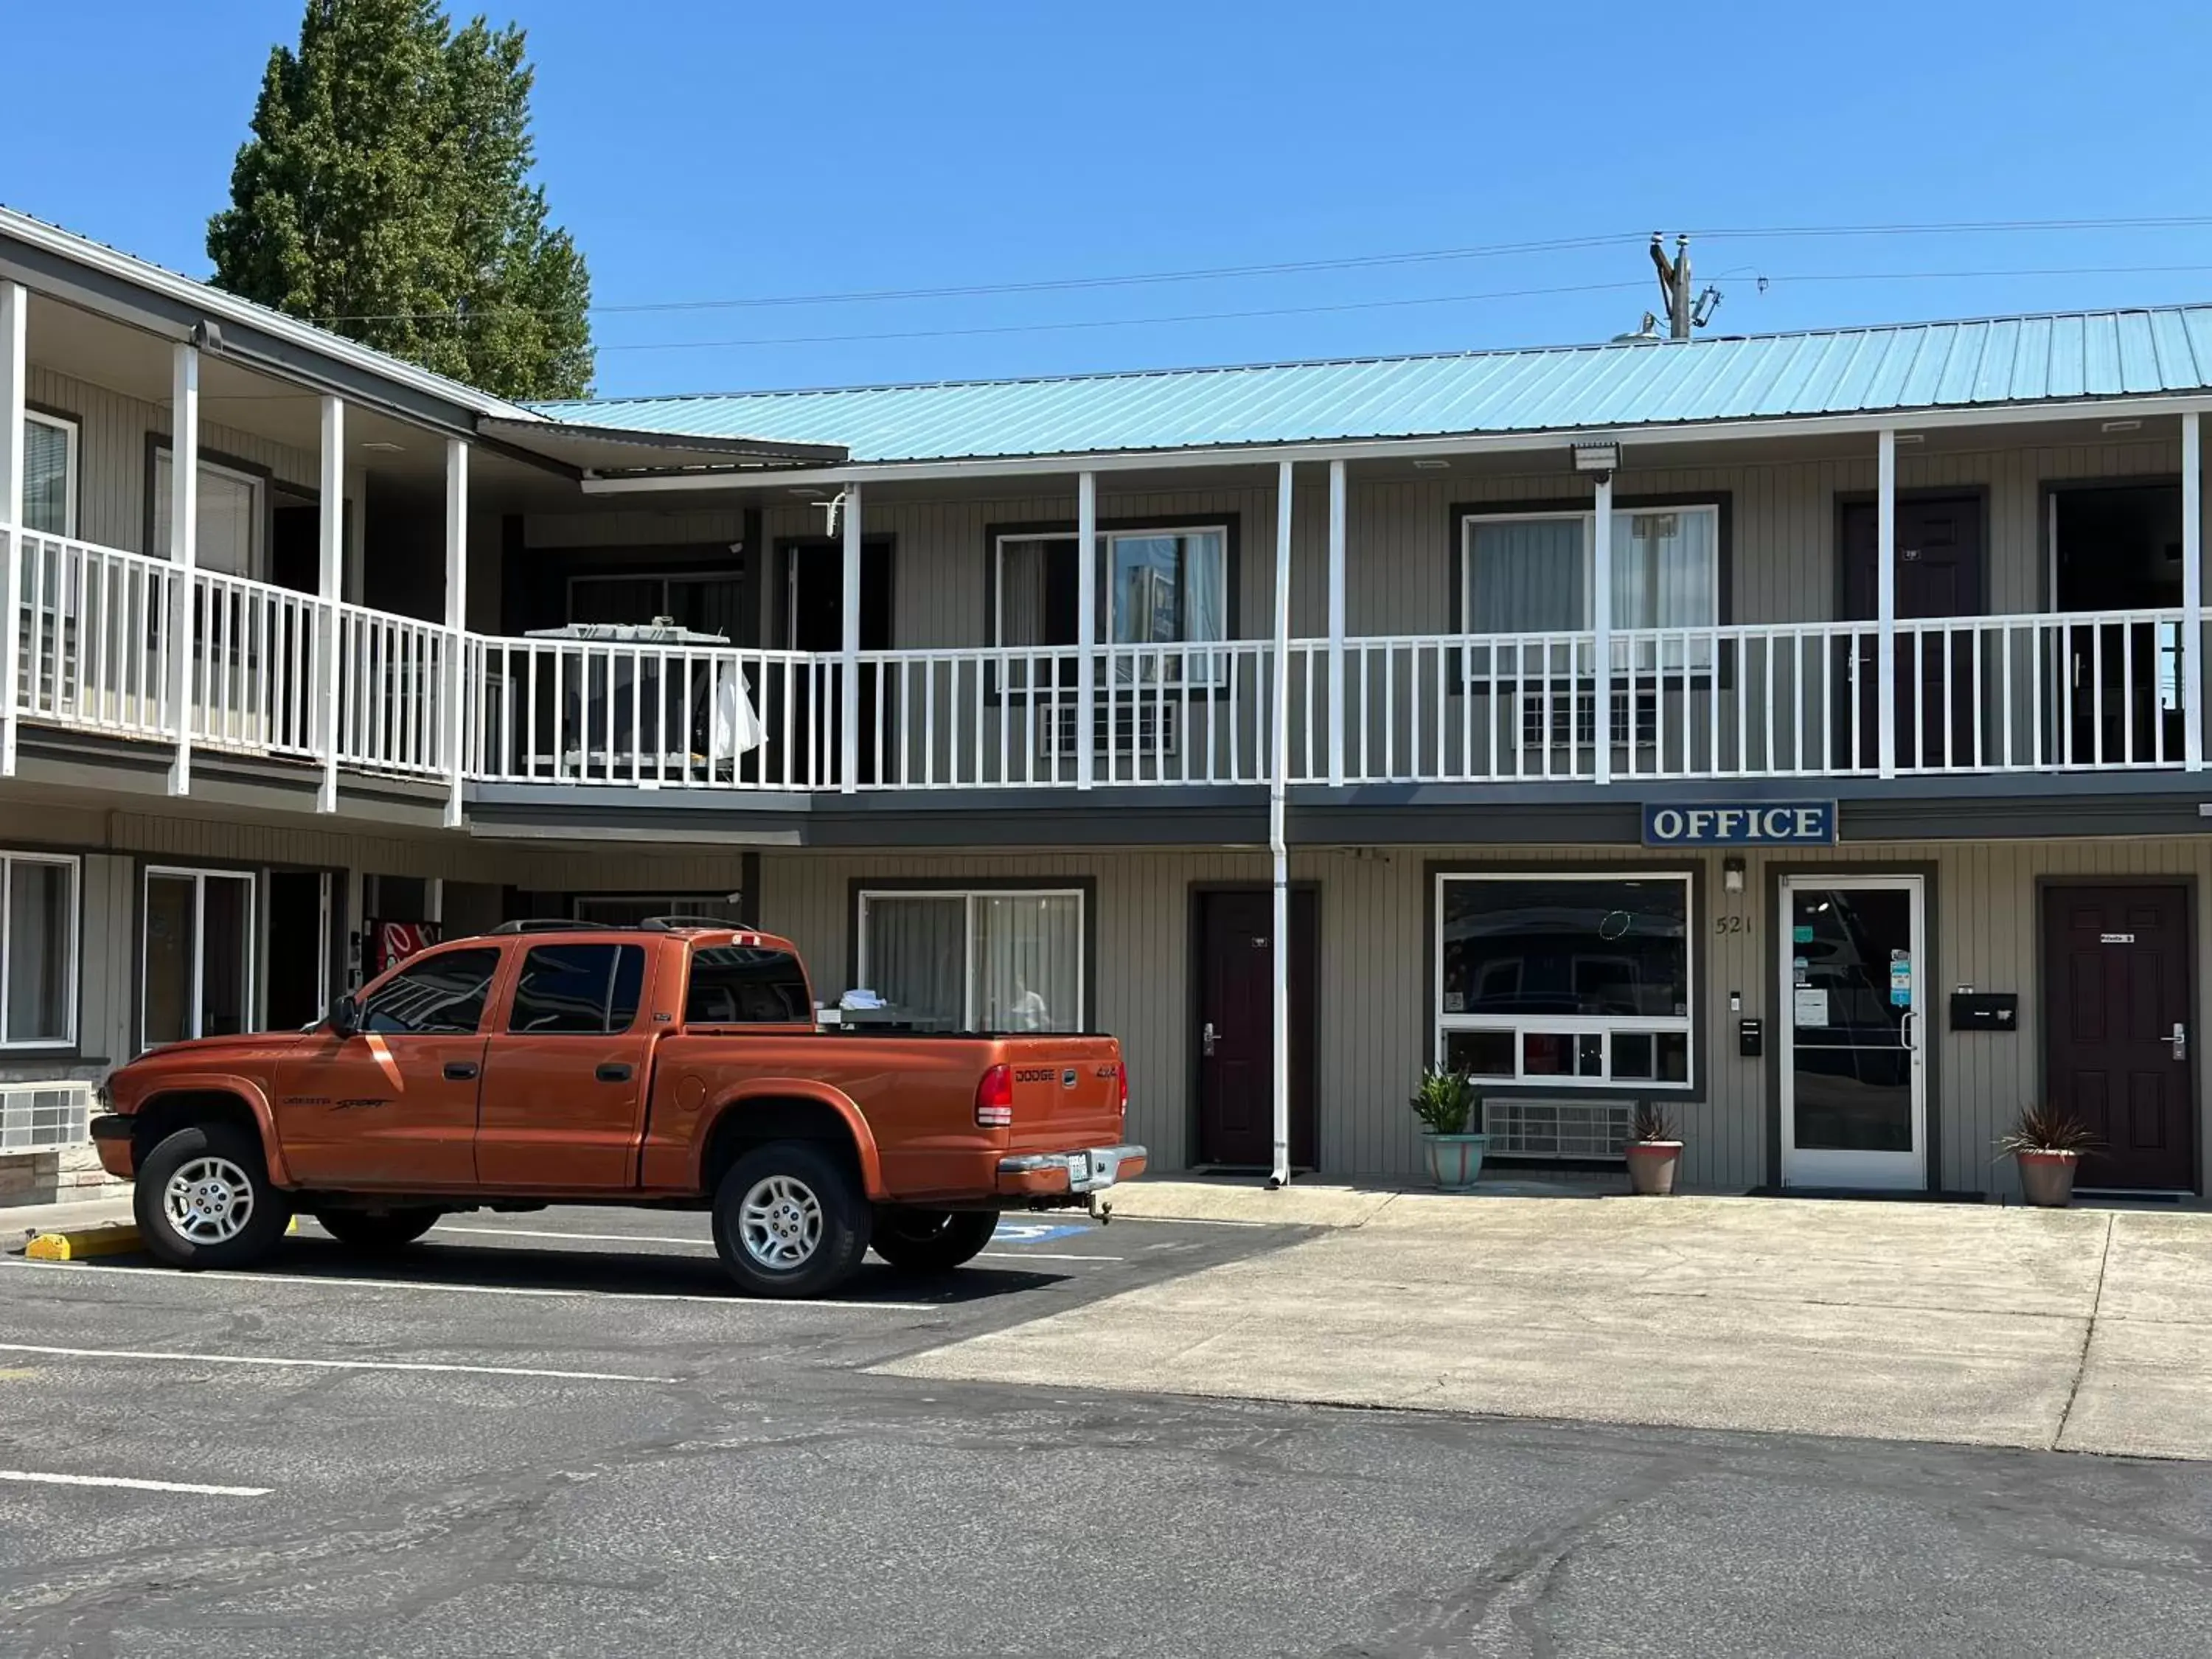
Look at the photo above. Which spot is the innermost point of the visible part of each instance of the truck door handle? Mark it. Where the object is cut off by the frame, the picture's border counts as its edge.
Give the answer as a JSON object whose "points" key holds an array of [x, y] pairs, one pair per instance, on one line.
{"points": [[613, 1072], [460, 1070]]}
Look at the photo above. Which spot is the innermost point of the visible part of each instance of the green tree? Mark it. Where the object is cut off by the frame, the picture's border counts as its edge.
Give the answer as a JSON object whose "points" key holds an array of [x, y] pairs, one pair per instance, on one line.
{"points": [[386, 193]]}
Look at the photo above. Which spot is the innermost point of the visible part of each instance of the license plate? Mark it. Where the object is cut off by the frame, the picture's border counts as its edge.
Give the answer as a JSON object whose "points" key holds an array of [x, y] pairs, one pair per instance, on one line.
{"points": [[1078, 1167]]}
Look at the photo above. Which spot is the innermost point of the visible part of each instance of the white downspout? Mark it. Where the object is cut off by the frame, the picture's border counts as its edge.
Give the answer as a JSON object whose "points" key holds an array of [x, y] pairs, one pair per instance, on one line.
{"points": [[1279, 766]]}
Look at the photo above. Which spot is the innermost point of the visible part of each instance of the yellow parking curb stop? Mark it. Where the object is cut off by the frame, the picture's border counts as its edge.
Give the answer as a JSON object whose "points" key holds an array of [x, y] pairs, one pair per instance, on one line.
{"points": [[82, 1243], [78, 1243]]}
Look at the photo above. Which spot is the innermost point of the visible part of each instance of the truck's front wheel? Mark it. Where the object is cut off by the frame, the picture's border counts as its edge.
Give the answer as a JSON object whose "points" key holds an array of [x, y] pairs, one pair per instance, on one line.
{"points": [[789, 1222], [202, 1199], [932, 1241]]}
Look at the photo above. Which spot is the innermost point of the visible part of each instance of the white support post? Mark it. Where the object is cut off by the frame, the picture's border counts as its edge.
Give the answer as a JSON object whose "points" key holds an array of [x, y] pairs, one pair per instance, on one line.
{"points": [[183, 550], [13, 372], [1885, 599], [848, 701], [1087, 626], [2192, 591], [457, 618], [1336, 623], [1602, 631], [330, 575], [1279, 769]]}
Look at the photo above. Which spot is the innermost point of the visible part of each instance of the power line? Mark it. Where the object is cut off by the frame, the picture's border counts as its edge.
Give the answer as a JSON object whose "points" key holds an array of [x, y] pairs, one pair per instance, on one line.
{"points": [[1365, 305], [1294, 267]]}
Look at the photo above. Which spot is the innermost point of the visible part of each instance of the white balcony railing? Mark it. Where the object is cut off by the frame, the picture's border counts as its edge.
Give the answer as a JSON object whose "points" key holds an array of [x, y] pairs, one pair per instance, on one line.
{"points": [[104, 648]]}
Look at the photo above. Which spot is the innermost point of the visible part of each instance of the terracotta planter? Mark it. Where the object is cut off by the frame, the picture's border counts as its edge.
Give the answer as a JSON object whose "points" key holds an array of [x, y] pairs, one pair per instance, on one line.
{"points": [[2046, 1179], [1454, 1161], [1651, 1166]]}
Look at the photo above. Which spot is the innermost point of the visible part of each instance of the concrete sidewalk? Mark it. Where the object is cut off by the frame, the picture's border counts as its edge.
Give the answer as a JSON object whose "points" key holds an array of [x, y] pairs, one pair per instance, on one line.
{"points": [[2084, 1329]]}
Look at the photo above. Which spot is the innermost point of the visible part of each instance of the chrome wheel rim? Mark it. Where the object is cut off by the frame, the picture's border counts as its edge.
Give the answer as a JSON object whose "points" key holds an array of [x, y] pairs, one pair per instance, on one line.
{"points": [[780, 1222], [209, 1200]]}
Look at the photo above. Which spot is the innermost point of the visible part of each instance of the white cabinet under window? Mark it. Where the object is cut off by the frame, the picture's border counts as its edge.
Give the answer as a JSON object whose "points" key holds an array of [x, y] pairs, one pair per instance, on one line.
{"points": [[976, 961], [229, 518], [196, 945], [38, 963], [1567, 980]]}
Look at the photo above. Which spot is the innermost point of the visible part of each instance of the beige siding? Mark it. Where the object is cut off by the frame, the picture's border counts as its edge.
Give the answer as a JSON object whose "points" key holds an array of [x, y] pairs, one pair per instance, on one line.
{"points": [[113, 471], [1377, 995]]}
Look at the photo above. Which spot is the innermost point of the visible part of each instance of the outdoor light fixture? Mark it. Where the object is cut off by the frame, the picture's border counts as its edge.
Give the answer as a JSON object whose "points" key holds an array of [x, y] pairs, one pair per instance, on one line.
{"points": [[384, 446], [1597, 458], [2123, 426], [1911, 438], [1430, 464], [1732, 875]]}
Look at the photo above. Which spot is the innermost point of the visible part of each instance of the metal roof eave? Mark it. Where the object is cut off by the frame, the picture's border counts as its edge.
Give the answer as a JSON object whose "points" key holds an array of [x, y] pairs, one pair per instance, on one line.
{"points": [[587, 450], [1858, 422]]}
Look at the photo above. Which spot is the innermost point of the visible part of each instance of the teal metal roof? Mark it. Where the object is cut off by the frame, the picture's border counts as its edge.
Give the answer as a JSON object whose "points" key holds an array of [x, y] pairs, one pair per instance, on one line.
{"points": [[1920, 366]]}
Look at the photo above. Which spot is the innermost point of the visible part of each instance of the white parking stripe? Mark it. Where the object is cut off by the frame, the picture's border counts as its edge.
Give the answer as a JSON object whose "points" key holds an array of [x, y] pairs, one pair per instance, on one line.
{"points": [[709, 1244], [328, 1364], [135, 1485], [732, 1300]]}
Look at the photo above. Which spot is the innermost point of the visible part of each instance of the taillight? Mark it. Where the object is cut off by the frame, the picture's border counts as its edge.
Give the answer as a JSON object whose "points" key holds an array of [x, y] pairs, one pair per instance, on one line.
{"points": [[995, 1099], [1122, 1066]]}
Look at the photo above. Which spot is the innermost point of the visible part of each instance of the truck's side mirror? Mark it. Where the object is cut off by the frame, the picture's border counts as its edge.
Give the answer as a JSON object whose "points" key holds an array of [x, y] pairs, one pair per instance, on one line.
{"points": [[345, 1017]]}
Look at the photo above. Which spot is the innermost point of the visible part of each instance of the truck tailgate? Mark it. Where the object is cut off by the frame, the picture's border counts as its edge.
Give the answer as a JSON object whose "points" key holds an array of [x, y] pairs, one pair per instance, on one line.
{"points": [[1067, 1092]]}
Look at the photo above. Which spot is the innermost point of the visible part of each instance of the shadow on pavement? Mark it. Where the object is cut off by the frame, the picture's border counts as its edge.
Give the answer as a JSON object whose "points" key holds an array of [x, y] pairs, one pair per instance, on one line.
{"points": [[639, 1273]]}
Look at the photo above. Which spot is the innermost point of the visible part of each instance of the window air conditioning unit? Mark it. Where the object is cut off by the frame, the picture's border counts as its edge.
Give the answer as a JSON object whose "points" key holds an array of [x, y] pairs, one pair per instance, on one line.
{"points": [[1149, 726]]}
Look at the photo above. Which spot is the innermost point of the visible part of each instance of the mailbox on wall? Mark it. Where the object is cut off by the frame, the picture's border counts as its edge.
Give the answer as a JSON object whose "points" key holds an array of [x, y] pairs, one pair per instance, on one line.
{"points": [[1985, 1010]]}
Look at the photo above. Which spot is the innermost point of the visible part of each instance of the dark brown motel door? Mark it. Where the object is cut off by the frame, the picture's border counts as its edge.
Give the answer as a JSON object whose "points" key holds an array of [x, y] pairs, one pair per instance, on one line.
{"points": [[2117, 1011], [1939, 574], [1235, 1033]]}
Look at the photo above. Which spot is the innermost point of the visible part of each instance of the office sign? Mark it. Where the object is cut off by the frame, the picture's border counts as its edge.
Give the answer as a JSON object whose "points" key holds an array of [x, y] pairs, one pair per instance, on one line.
{"points": [[1736, 823]]}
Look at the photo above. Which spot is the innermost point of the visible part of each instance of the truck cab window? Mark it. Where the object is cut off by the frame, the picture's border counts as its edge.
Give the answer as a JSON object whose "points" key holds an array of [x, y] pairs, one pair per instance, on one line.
{"points": [[746, 985], [442, 994], [577, 990]]}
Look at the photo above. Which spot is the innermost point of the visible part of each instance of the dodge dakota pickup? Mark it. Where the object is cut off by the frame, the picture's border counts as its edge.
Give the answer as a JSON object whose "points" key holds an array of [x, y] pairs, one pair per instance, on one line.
{"points": [[677, 1064]]}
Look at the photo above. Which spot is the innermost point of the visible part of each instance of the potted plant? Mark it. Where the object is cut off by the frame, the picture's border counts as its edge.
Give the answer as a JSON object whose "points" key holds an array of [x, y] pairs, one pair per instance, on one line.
{"points": [[1445, 1102], [1654, 1151], [2046, 1143]]}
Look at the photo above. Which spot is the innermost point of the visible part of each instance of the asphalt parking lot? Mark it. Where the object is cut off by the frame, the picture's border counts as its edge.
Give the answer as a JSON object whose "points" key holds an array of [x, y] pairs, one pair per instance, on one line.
{"points": [[560, 1434]]}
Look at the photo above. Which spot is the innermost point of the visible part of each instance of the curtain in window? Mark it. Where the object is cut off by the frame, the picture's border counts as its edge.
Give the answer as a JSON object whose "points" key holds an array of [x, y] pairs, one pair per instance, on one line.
{"points": [[229, 518], [1023, 616], [1029, 961], [916, 951], [40, 903], [1662, 569], [1525, 576], [46, 481]]}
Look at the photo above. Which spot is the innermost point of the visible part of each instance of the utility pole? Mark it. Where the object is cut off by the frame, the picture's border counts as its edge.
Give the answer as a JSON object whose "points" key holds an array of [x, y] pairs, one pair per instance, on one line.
{"points": [[1674, 284]]}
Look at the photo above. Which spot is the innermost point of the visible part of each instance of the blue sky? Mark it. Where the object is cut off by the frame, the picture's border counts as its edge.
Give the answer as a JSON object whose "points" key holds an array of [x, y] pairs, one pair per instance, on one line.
{"points": [[734, 151]]}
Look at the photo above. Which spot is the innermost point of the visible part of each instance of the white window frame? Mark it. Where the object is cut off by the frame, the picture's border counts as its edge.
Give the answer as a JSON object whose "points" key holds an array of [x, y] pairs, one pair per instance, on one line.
{"points": [[70, 426], [257, 552], [1607, 1026], [1469, 519], [75, 865], [967, 898], [1106, 540], [199, 877]]}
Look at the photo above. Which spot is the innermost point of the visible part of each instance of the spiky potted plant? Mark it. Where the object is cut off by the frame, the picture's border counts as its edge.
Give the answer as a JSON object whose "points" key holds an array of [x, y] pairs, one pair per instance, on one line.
{"points": [[2046, 1144], [1446, 1102], [1654, 1151]]}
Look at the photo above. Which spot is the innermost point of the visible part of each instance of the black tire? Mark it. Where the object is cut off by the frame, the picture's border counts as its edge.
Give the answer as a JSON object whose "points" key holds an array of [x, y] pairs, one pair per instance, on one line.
{"points": [[377, 1235], [194, 1235], [825, 1241], [932, 1241]]}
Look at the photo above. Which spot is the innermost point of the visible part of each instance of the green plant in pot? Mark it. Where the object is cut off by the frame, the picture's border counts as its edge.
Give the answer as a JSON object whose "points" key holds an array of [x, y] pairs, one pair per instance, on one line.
{"points": [[1654, 1149], [1446, 1104], [2046, 1144]]}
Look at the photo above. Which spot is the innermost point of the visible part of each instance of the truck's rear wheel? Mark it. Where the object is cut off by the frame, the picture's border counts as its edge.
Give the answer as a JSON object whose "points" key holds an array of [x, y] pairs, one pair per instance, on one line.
{"points": [[202, 1199], [932, 1241], [789, 1222], [375, 1235]]}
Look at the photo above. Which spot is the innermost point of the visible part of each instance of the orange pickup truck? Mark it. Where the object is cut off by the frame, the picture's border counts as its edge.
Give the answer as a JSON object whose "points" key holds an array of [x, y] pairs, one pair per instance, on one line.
{"points": [[674, 1065]]}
